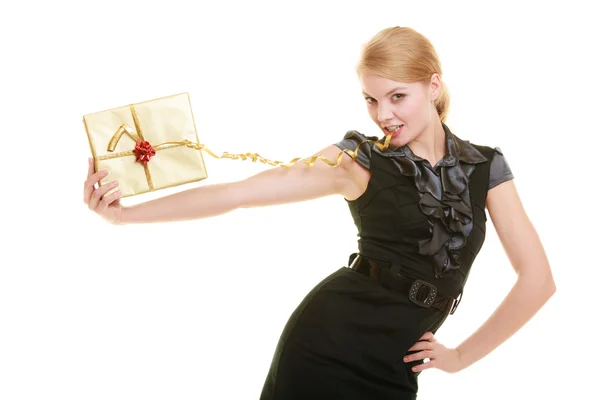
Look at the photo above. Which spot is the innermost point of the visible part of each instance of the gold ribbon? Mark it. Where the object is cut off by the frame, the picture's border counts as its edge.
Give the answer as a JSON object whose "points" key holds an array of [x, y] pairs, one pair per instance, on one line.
{"points": [[254, 157]]}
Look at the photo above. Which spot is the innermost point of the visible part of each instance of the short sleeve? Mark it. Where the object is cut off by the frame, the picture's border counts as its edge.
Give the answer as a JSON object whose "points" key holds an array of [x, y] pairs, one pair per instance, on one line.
{"points": [[351, 141], [499, 169]]}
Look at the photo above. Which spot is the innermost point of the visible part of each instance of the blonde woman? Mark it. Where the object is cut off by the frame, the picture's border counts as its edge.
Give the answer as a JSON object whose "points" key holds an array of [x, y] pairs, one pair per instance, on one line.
{"points": [[418, 197]]}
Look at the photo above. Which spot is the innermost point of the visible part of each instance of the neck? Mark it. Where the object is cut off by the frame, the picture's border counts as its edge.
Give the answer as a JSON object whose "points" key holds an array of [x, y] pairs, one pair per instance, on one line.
{"points": [[431, 143]]}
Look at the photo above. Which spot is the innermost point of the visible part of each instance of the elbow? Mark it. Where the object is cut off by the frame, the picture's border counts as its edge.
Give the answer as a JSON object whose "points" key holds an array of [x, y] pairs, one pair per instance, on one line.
{"points": [[548, 284], [547, 288], [542, 285], [551, 287]]}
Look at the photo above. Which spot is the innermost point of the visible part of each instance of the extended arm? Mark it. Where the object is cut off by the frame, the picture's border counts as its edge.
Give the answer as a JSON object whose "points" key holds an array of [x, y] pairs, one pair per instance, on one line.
{"points": [[274, 186]]}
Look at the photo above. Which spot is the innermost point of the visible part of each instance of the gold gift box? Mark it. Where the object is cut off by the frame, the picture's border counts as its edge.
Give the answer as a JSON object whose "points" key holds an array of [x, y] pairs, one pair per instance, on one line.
{"points": [[147, 146]]}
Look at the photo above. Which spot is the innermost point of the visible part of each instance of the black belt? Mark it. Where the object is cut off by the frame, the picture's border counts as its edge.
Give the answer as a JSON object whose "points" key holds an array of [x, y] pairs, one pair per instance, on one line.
{"points": [[382, 273]]}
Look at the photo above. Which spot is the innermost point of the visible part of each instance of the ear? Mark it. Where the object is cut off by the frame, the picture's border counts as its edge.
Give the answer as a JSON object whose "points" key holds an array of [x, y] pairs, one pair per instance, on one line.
{"points": [[435, 86]]}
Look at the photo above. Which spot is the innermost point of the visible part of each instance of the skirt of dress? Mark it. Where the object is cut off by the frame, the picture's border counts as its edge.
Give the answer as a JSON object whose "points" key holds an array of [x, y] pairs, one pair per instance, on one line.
{"points": [[346, 340]]}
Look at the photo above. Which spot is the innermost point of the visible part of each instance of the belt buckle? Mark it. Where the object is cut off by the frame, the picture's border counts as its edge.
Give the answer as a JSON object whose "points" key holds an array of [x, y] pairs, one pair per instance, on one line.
{"points": [[355, 262], [414, 289], [455, 303]]}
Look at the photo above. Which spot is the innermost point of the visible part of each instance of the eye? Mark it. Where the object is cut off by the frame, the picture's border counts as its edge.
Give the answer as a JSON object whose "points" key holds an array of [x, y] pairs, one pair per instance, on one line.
{"points": [[369, 99], [398, 94]]}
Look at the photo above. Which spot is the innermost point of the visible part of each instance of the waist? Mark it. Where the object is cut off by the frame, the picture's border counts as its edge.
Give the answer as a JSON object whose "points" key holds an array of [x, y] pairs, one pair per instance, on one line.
{"points": [[419, 291]]}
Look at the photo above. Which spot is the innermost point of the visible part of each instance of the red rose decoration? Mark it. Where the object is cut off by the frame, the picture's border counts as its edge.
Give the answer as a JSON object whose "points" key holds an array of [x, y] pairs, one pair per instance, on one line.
{"points": [[143, 151]]}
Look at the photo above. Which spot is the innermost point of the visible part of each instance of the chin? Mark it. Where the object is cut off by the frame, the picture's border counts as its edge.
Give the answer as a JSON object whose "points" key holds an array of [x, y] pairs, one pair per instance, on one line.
{"points": [[398, 142]]}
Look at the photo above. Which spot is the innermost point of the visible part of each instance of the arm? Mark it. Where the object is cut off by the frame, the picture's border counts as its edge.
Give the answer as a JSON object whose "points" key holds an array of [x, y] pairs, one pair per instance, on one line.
{"points": [[274, 186], [534, 286]]}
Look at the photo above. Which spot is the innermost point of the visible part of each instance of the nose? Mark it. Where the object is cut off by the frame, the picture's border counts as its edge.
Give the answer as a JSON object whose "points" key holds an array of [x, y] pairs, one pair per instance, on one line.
{"points": [[384, 113]]}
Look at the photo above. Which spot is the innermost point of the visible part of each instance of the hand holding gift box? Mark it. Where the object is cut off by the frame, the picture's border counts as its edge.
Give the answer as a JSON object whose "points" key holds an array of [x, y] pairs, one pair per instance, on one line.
{"points": [[146, 146]]}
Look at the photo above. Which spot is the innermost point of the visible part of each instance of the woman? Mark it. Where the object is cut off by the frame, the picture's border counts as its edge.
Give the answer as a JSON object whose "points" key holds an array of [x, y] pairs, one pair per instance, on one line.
{"points": [[418, 201]]}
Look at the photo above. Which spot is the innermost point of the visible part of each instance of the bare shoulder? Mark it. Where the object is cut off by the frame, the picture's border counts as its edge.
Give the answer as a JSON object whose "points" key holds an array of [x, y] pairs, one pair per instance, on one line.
{"points": [[357, 178]]}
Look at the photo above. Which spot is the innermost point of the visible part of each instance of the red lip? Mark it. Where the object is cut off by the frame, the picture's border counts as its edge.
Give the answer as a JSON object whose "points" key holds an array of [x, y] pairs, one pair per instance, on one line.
{"points": [[398, 131]]}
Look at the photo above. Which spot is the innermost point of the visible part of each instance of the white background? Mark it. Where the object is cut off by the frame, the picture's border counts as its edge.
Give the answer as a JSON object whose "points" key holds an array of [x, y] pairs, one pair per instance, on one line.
{"points": [[194, 309]]}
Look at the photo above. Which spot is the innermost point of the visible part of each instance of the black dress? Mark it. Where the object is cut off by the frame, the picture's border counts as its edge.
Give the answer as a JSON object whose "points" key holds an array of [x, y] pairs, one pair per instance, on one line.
{"points": [[347, 338]]}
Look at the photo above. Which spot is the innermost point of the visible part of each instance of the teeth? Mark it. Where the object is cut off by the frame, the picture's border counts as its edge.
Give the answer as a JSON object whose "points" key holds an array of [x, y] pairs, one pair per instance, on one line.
{"points": [[393, 128]]}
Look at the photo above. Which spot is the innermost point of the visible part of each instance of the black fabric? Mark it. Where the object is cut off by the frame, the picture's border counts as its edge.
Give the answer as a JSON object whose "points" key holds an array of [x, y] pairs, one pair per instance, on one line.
{"points": [[382, 273], [430, 220], [347, 338], [346, 341]]}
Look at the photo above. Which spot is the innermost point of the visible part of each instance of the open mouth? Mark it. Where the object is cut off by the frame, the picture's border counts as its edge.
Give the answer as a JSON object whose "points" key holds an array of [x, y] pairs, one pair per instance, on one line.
{"points": [[394, 129]]}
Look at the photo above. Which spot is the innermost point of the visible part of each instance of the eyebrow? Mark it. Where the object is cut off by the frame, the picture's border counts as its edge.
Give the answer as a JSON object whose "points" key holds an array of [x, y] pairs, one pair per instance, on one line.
{"points": [[390, 92]]}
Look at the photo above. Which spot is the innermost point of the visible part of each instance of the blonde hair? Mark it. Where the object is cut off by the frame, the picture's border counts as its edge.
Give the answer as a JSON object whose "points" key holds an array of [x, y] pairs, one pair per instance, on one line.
{"points": [[402, 54]]}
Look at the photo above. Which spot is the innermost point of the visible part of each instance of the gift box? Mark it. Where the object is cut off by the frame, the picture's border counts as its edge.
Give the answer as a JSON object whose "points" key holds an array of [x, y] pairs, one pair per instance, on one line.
{"points": [[147, 146]]}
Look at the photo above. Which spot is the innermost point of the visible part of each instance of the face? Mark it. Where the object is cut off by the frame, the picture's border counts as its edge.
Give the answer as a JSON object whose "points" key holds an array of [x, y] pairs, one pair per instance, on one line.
{"points": [[392, 104]]}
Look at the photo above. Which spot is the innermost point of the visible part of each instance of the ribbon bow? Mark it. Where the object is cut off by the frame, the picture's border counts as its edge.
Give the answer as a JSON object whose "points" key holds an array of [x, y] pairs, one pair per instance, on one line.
{"points": [[143, 150]]}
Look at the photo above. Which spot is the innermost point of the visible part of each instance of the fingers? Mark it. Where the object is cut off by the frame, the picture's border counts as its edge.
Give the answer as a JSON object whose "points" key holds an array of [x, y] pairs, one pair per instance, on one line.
{"points": [[96, 195], [107, 200], [419, 356], [422, 355], [428, 336], [90, 167], [424, 366], [92, 179], [423, 345], [88, 185], [86, 191]]}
